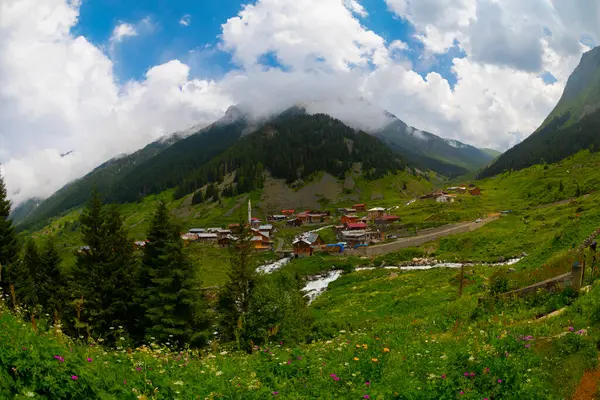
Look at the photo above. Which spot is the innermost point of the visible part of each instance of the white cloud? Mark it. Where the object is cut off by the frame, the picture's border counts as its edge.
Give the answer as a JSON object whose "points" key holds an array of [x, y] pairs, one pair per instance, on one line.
{"points": [[186, 20], [58, 92], [122, 31]]}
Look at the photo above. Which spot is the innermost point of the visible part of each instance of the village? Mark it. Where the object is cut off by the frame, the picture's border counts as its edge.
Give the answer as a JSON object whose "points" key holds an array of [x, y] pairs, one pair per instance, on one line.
{"points": [[354, 228]]}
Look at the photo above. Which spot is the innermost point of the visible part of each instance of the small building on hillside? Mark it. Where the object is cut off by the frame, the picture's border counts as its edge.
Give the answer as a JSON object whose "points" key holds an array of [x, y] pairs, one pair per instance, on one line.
{"points": [[268, 229], [260, 241], [349, 219], [386, 220], [227, 240], [316, 218], [279, 217], [197, 230], [294, 222], [362, 237], [376, 212], [360, 207], [288, 213], [190, 237], [306, 243], [208, 237], [475, 191], [83, 249], [357, 226], [256, 222], [235, 228]]}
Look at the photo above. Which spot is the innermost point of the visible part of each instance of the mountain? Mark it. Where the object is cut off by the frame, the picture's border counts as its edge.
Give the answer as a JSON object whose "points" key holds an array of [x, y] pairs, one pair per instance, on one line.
{"points": [[425, 150], [23, 210], [292, 145], [572, 126], [491, 152]]}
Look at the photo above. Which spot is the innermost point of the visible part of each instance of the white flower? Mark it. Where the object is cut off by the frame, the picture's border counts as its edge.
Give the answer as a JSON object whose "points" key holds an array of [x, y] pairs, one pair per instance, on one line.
{"points": [[223, 352], [342, 331], [471, 358], [30, 394], [178, 383], [122, 338], [170, 335], [112, 327], [120, 327], [218, 373]]}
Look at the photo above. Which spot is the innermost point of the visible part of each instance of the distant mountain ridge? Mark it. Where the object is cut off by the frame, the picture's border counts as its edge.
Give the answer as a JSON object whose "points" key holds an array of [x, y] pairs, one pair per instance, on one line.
{"points": [[572, 125]]}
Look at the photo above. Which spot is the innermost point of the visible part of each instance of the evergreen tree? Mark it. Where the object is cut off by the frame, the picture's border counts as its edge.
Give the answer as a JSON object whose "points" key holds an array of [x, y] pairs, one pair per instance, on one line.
{"points": [[26, 284], [88, 271], [106, 271], [197, 198], [52, 288], [235, 297], [119, 275], [9, 250], [174, 309]]}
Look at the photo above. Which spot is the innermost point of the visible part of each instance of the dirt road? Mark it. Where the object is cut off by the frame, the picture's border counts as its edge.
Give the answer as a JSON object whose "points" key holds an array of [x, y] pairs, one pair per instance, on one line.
{"points": [[424, 238]]}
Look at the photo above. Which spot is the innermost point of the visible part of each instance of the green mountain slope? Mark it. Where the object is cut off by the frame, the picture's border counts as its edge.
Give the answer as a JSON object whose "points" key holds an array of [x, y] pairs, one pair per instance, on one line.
{"points": [[570, 127], [158, 166], [425, 150], [294, 146]]}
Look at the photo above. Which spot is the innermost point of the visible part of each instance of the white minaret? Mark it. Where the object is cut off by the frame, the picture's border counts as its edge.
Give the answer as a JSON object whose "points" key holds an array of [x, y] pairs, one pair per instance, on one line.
{"points": [[249, 212]]}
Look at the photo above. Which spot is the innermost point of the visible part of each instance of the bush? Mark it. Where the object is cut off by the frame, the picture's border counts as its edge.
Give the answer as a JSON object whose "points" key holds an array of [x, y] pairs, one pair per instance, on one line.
{"points": [[499, 283]]}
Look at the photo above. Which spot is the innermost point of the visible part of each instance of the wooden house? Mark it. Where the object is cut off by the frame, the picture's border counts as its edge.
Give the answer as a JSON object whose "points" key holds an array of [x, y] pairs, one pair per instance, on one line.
{"points": [[235, 228], [288, 213], [208, 237], [357, 226], [256, 222], [376, 212], [306, 243], [260, 241], [386, 220], [190, 237], [294, 222], [267, 229], [360, 207], [475, 191], [227, 240], [349, 219]]}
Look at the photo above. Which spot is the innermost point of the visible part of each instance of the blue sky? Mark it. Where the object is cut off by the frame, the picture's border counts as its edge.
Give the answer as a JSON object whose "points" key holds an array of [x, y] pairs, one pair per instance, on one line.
{"points": [[197, 43]]}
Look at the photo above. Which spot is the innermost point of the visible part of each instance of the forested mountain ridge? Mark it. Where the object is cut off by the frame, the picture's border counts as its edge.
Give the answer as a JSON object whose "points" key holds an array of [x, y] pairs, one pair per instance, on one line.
{"points": [[293, 146], [572, 126], [158, 166], [425, 150]]}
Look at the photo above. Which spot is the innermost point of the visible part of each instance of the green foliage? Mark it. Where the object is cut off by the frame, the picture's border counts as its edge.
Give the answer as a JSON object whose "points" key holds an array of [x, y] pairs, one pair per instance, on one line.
{"points": [[173, 306], [9, 252], [105, 272], [198, 197], [499, 283], [295, 146]]}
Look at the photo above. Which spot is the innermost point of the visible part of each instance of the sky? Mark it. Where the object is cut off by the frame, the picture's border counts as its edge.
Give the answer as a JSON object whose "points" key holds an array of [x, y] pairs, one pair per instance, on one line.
{"points": [[105, 77]]}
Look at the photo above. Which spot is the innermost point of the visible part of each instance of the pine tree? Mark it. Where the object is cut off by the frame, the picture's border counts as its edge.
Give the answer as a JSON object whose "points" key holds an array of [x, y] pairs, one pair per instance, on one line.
{"points": [[235, 297], [52, 290], [26, 283], [197, 198], [9, 250], [88, 272], [119, 275], [174, 309]]}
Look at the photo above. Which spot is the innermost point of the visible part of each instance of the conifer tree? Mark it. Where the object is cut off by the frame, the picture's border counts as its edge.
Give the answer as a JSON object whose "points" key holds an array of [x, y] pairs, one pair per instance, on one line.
{"points": [[52, 288], [174, 309], [119, 275], [235, 297], [9, 250], [26, 283]]}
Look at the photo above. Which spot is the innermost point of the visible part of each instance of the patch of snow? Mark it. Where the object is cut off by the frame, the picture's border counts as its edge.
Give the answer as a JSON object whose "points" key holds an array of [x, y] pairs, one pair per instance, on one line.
{"points": [[456, 144], [272, 267], [318, 284]]}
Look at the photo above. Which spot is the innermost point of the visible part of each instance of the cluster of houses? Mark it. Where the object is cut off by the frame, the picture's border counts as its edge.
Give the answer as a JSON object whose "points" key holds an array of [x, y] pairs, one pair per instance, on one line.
{"points": [[261, 235], [353, 231], [294, 218], [450, 194]]}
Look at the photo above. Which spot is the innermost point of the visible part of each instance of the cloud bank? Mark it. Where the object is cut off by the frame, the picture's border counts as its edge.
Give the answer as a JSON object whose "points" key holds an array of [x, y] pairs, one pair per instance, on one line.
{"points": [[59, 92]]}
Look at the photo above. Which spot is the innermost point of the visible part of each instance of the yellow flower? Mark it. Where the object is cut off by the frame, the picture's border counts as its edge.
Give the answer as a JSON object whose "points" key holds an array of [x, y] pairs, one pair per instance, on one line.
{"points": [[365, 346], [386, 350], [374, 360], [358, 346], [356, 359]]}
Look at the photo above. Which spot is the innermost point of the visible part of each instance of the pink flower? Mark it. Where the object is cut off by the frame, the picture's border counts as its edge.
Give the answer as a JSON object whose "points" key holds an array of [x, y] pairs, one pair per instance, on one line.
{"points": [[60, 358], [571, 329], [499, 380], [90, 359], [74, 377], [443, 376], [466, 374], [366, 396], [472, 374], [138, 369], [125, 382], [461, 392], [367, 383], [275, 393], [289, 362], [486, 370]]}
